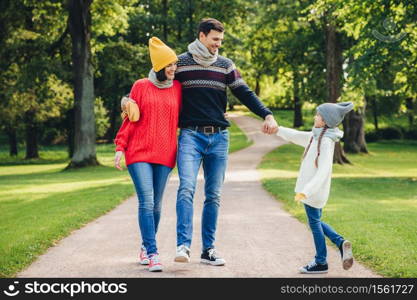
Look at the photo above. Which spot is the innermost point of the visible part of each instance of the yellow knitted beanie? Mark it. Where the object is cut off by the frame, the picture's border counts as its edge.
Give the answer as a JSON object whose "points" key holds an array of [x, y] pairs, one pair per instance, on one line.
{"points": [[161, 54]]}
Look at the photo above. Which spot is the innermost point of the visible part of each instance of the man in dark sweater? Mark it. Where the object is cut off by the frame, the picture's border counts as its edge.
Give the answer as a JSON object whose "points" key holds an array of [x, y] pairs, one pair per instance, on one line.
{"points": [[204, 138]]}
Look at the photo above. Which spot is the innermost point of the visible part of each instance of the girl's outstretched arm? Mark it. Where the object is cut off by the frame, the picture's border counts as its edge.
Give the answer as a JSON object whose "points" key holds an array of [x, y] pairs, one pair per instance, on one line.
{"points": [[301, 138]]}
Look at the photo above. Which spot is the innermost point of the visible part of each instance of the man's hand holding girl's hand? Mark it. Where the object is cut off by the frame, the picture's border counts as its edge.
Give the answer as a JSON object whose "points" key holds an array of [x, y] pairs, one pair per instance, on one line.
{"points": [[270, 126]]}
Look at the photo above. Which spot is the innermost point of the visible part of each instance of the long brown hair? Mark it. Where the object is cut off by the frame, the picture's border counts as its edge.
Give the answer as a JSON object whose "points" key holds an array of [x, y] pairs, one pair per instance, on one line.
{"points": [[318, 146]]}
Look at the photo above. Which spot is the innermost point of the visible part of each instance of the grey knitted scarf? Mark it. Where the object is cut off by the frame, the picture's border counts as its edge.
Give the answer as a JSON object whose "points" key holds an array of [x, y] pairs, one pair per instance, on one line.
{"points": [[201, 54], [159, 84], [334, 133]]}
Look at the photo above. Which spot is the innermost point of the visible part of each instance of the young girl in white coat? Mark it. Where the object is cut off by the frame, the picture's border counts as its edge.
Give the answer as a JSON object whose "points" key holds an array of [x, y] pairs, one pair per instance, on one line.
{"points": [[313, 182]]}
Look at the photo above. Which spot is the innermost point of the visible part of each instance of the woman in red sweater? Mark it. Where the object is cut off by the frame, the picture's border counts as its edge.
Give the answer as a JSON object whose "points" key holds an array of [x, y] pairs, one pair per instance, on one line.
{"points": [[150, 144]]}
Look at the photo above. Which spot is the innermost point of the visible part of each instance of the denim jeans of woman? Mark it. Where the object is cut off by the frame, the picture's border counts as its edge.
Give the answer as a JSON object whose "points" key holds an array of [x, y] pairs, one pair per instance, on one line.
{"points": [[319, 230], [150, 181]]}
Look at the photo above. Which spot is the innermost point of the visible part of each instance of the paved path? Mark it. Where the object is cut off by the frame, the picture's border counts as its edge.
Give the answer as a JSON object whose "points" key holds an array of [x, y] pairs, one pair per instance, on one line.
{"points": [[255, 235]]}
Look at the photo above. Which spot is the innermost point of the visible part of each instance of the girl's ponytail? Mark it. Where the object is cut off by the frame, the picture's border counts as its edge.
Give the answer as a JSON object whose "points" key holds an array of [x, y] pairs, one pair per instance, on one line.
{"points": [[318, 146]]}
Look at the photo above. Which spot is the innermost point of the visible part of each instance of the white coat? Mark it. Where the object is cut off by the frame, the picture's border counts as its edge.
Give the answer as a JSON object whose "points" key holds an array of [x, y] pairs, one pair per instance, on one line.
{"points": [[313, 182]]}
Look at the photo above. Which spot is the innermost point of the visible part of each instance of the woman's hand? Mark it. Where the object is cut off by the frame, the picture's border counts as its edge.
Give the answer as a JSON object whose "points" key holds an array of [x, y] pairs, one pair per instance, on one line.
{"points": [[124, 101], [129, 109], [117, 158]]}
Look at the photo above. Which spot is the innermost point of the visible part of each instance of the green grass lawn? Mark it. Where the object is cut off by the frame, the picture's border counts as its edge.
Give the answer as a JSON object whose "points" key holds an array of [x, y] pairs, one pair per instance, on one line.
{"points": [[238, 140], [373, 202], [40, 203]]}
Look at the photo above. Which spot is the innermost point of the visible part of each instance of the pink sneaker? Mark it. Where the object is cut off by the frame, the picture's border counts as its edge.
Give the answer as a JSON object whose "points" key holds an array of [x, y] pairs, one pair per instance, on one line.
{"points": [[154, 264], [143, 256]]}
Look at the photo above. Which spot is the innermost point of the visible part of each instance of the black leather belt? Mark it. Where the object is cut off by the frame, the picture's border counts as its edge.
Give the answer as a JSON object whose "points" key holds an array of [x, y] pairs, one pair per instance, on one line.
{"points": [[206, 129]]}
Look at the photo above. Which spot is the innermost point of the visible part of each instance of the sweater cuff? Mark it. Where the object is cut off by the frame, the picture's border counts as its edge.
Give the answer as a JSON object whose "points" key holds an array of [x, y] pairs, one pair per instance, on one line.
{"points": [[120, 148], [305, 193], [267, 112], [283, 132]]}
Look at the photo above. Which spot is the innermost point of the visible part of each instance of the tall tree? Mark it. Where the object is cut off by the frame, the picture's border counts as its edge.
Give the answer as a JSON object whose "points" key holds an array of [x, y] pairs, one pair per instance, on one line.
{"points": [[30, 37], [85, 132], [382, 58], [334, 73], [285, 45], [338, 43]]}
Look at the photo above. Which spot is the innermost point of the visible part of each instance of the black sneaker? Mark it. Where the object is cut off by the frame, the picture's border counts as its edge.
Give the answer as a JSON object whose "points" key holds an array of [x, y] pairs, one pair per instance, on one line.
{"points": [[345, 249], [210, 257], [314, 268]]}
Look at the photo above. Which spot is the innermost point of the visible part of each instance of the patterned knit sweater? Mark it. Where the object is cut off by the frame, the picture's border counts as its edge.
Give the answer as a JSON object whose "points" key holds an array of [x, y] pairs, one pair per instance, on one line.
{"points": [[204, 91], [152, 139]]}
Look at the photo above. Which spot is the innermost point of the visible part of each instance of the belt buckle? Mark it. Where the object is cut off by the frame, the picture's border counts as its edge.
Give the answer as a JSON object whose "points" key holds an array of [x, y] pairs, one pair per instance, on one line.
{"points": [[208, 127]]}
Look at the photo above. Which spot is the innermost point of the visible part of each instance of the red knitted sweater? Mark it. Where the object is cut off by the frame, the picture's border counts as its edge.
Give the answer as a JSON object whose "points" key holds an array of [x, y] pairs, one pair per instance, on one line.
{"points": [[152, 139]]}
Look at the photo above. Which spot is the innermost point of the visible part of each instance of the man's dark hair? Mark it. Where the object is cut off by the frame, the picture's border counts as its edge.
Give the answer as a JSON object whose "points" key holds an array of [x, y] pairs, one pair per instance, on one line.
{"points": [[160, 75], [208, 24]]}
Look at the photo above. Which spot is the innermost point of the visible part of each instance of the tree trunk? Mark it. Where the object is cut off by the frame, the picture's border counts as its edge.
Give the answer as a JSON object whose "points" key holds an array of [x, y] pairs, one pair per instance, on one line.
{"points": [[410, 111], [354, 133], [298, 115], [165, 20], [179, 30], [12, 136], [85, 133], [375, 112], [69, 125], [334, 73], [31, 136], [340, 159], [191, 30], [334, 61], [258, 87]]}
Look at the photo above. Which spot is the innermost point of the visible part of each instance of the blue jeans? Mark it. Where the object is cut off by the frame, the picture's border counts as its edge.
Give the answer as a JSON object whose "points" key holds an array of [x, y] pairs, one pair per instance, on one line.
{"points": [[150, 181], [319, 230], [194, 149]]}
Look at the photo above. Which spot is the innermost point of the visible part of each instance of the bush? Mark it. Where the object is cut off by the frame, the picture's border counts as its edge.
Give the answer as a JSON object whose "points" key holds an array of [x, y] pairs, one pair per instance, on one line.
{"points": [[411, 134], [49, 135], [3, 139], [391, 133], [102, 119], [372, 136], [52, 132]]}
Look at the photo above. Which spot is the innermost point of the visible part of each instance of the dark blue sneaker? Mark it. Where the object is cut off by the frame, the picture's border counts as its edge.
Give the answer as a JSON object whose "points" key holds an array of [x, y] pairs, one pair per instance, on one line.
{"points": [[314, 268]]}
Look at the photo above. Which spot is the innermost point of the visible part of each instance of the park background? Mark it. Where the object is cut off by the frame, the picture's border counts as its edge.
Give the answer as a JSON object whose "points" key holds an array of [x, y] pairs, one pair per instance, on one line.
{"points": [[65, 65]]}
